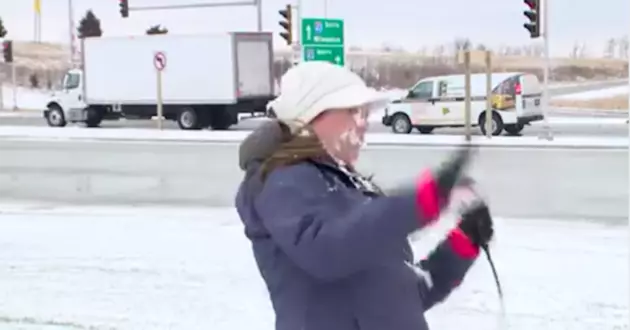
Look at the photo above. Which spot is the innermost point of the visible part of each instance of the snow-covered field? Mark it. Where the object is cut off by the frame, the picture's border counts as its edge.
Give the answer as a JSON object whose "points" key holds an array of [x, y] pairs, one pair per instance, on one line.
{"points": [[168, 268], [25, 98], [596, 94]]}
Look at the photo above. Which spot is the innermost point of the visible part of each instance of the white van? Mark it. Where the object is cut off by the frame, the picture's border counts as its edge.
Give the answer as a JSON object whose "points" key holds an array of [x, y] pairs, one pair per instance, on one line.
{"points": [[439, 102]]}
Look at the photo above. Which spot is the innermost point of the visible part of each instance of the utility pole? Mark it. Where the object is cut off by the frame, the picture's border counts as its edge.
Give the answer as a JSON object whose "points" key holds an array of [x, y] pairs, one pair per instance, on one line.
{"points": [[71, 31], [547, 134], [259, 15]]}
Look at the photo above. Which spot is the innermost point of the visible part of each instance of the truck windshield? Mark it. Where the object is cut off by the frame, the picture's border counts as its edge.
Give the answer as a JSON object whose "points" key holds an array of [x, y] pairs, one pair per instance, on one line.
{"points": [[71, 81]]}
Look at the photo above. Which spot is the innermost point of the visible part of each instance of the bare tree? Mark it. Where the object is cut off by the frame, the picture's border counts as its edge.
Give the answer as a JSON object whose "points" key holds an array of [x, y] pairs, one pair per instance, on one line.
{"points": [[462, 44], [623, 47], [610, 48], [575, 50], [438, 53], [481, 47], [583, 50], [538, 50]]}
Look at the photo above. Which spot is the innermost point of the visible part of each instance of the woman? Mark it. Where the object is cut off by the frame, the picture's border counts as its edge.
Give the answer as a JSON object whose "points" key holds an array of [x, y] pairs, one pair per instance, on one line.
{"points": [[331, 247]]}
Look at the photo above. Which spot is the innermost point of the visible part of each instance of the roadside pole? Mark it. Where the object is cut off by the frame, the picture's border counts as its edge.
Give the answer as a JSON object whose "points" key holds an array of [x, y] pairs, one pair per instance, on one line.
{"points": [[159, 61], [1, 91], [545, 102], [488, 122], [467, 94], [297, 49], [14, 82]]}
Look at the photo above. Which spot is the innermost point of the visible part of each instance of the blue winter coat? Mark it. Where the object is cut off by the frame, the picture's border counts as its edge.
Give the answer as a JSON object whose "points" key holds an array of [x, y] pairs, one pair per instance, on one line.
{"points": [[335, 257]]}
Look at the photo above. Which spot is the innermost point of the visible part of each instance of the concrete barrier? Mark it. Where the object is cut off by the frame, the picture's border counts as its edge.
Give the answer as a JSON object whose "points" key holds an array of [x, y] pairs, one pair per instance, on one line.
{"points": [[537, 183]]}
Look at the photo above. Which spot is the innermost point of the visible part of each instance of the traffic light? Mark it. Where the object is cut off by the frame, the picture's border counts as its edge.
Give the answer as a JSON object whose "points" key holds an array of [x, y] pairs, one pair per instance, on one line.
{"points": [[287, 24], [124, 8], [7, 51], [533, 17]]}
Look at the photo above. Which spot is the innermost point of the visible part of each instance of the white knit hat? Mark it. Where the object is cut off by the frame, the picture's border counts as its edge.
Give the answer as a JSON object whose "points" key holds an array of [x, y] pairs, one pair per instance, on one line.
{"points": [[310, 88]]}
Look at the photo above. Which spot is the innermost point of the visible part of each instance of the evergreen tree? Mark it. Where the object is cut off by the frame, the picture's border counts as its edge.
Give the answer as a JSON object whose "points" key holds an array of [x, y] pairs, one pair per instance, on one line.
{"points": [[89, 26], [3, 31], [157, 29]]}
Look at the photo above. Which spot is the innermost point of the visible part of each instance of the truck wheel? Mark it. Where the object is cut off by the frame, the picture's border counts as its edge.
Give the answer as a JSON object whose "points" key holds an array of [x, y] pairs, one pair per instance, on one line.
{"points": [[496, 122], [188, 119], [55, 117], [93, 117], [425, 129], [219, 120], [401, 124], [514, 129]]}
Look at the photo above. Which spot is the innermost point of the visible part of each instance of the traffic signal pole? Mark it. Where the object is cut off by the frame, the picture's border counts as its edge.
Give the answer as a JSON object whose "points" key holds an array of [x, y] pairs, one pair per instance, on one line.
{"points": [[298, 44], [546, 128], [257, 3]]}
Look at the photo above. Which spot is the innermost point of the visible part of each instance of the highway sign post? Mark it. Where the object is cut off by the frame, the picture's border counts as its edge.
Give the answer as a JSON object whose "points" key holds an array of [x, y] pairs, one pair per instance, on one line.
{"points": [[323, 40], [159, 62]]}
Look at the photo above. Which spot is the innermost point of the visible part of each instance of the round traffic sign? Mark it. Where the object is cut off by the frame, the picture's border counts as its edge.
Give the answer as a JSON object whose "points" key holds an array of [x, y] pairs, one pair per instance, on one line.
{"points": [[159, 61]]}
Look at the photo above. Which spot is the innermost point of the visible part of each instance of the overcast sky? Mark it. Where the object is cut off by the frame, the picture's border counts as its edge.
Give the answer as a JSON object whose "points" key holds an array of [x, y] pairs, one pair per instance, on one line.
{"points": [[411, 24]]}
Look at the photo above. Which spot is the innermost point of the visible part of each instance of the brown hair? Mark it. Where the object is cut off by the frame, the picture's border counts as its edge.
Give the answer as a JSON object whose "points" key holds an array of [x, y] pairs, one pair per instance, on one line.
{"points": [[295, 148]]}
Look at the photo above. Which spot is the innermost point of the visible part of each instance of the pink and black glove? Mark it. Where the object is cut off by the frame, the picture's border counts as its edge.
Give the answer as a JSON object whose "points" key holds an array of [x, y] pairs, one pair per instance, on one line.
{"points": [[434, 187], [475, 228]]}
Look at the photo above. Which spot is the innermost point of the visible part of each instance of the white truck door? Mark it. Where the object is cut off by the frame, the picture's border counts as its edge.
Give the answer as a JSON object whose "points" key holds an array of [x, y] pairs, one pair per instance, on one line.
{"points": [[450, 108], [423, 109], [71, 97], [254, 66]]}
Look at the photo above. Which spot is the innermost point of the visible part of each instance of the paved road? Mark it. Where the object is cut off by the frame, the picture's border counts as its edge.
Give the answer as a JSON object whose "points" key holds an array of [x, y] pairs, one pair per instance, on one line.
{"points": [[551, 183], [249, 124]]}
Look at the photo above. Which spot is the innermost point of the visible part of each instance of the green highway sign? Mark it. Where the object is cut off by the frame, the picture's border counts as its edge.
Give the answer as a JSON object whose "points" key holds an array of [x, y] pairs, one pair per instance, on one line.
{"points": [[333, 55], [317, 31], [323, 40]]}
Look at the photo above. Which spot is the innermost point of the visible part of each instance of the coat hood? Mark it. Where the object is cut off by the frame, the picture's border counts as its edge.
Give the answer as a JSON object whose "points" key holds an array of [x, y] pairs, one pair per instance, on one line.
{"points": [[260, 144]]}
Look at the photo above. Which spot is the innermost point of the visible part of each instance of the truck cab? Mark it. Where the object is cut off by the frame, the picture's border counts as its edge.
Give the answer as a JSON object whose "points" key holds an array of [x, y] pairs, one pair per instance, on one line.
{"points": [[68, 105]]}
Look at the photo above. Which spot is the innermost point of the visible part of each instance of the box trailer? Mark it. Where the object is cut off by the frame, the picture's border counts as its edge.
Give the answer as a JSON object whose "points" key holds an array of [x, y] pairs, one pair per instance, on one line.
{"points": [[206, 80]]}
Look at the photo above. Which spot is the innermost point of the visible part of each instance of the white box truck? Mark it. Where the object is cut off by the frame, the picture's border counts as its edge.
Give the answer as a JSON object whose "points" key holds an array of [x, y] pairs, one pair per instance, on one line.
{"points": [[206, 82]]}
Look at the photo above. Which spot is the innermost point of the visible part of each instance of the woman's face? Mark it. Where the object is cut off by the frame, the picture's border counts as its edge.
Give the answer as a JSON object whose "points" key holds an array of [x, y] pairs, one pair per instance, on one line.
{"points": [[342, 132]]}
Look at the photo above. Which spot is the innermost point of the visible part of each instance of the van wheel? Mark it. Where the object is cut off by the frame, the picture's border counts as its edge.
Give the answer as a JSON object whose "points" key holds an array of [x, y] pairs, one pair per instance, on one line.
{"points": [[496, 122], [401, 124], [188, 119], [55, 117], [425, 129], [514, 129]]}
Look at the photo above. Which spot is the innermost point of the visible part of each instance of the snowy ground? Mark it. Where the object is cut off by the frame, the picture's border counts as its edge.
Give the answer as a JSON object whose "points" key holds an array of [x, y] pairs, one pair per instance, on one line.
{"points": [[25, 98], [106, 135], [135, 268], [596, 94]]}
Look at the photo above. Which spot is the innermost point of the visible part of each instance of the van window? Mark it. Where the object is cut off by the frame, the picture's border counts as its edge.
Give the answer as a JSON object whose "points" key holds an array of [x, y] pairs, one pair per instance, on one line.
{"points": [[507, 87], [443, 88], [423, 90]]}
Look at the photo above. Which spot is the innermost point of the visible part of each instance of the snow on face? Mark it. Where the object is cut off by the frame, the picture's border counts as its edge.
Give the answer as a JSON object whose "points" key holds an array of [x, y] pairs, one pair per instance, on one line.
{"points": [[351, 138]]}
